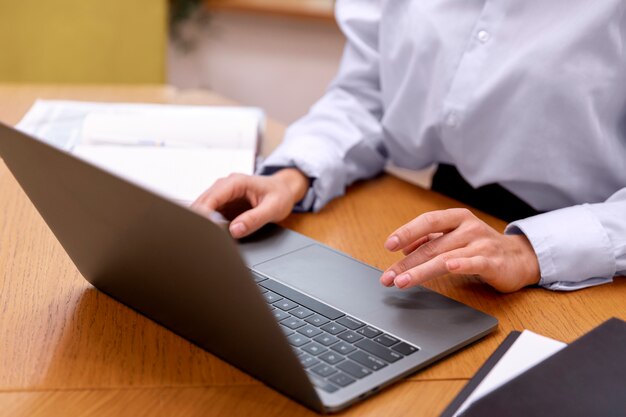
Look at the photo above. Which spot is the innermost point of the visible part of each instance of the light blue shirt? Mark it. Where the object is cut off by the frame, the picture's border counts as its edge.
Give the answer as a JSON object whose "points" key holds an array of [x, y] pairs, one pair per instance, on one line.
{"points": [[529, 94]]}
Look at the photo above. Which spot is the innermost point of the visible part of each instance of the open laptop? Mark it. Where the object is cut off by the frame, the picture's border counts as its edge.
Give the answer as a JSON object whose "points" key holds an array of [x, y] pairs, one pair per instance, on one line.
{"points": [[308, 320]]}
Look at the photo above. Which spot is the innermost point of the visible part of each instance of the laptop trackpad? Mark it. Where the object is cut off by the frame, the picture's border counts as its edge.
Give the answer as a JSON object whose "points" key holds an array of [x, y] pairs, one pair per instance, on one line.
{"points": [[345, 283], [354, 287], [327, 275]]}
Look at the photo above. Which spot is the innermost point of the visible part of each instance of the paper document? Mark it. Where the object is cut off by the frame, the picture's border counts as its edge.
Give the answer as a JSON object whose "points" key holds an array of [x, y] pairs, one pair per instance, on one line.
{"points": [[176, 151], [180, 174], [174, 127]]}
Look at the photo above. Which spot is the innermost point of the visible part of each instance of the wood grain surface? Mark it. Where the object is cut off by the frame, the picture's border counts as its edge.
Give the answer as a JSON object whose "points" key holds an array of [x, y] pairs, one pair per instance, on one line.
{"points": [[67, 349]]}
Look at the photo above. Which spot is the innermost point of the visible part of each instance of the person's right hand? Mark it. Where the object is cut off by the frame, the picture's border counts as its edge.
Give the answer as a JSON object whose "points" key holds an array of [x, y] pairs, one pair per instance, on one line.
{"points": [[252, 201]]}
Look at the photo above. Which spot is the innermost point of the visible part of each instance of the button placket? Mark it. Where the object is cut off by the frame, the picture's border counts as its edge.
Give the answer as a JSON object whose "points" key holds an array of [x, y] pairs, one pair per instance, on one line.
{"points": [[470, 66]]}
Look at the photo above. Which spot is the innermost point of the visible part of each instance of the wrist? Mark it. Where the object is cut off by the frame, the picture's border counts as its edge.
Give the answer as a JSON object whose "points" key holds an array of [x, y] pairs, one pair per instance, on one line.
{"points": [[296, 182], [530, 264]]}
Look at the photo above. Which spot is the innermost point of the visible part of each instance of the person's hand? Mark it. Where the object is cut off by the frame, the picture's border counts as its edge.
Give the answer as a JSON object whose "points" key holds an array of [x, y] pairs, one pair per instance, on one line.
{"points": [[455, 241], [252, 201]]}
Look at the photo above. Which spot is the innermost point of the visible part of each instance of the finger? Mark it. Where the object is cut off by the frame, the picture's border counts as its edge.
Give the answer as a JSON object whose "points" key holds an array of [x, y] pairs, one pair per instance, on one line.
{"points": [[475, 265], [441, 221], [252, 220], [420, 242], [424, 253], [199, 204], [432, 269], [221, 192]]}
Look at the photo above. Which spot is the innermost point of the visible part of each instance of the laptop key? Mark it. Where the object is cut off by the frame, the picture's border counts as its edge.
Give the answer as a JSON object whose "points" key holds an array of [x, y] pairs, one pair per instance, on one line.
{"points": [[369, 331], [333, 328], [368, 360], [314, 348], [321, 383], [354, 369], [341, 379], [307, 360], [386, 340], [323, 370], [350, 336], [304, 300], [298, 339], [285, 304], [326, 339], [271, 297], [331, 357], [343, 348], [286, 330], [379, 350], [317, 320], [280, 314], [405, 348], [292, 323], [350, 322], [308, 330], [301, 312]]}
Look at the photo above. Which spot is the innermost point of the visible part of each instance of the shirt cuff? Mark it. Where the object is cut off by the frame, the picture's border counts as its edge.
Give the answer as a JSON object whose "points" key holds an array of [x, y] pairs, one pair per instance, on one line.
{"points": [[318, 163], [573, 249], [302, 206]]}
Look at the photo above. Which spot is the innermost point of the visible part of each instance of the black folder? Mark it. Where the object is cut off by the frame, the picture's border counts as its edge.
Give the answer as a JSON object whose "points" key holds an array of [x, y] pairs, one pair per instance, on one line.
{"points": [[585, 379]]}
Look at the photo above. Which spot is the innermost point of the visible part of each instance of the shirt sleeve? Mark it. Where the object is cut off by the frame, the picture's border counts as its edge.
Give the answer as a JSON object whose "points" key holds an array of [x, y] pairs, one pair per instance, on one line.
{"points": [[579, 246], [340, 140]]}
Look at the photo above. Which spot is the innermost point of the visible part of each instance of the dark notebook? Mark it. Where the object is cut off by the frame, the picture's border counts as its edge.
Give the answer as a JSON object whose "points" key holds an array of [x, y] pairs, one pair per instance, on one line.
{"points": [[585, 379]]}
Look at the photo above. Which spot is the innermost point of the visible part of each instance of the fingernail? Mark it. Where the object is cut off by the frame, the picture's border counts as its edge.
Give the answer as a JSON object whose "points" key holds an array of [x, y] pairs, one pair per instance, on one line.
{"points": [[452, 264], [392, 243], [237, 229], [402, 281], [387, 278]]}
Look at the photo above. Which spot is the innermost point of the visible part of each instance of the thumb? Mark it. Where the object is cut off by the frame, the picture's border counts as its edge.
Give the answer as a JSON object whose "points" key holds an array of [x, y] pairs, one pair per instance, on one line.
{"points": [[252, 220]]}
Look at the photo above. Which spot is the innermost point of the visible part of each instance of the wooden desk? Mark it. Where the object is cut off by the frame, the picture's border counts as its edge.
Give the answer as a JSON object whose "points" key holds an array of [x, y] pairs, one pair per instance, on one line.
{"points": [[66, 349]]}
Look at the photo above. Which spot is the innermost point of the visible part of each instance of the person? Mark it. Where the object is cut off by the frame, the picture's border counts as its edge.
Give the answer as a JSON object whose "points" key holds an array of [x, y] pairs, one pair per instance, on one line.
{"points": [[527, 98]]}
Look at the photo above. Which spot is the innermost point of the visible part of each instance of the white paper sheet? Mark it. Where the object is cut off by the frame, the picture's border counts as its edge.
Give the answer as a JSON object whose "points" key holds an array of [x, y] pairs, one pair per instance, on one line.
{"points": [[61, 122], [179, 174], [175, 151], [172, 126]]}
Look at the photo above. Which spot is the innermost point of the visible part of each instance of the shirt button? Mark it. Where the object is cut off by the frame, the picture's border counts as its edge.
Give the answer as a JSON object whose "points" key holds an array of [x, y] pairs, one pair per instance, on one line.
{"points": [[452, 120], [483, 36]]}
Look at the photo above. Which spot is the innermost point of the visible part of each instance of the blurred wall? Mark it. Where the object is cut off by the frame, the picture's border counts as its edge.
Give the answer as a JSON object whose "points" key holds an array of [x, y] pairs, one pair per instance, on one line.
{"points": [[282, 64], [83, 41]]}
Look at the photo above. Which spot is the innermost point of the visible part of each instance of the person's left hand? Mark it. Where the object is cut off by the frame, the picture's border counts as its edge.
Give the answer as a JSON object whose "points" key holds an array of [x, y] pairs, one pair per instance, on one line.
{"points": [[455, 241]]}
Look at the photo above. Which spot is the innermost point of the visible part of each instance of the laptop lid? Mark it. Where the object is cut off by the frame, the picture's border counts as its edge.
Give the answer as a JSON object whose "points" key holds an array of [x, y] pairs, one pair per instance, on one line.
{"points": [[159, 259]]}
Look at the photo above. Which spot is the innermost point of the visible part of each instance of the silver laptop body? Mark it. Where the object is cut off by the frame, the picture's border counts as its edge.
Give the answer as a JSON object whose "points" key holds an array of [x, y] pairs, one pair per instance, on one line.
{"points": [[186, 273]]}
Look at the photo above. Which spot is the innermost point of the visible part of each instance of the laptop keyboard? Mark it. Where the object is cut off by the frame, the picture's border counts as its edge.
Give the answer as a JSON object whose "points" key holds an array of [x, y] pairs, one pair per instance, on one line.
{"points": [[335, 349]]}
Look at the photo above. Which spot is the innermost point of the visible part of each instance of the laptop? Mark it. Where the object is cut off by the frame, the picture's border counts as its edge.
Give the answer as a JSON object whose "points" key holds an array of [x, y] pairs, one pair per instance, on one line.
{"points": [[307, 320]]}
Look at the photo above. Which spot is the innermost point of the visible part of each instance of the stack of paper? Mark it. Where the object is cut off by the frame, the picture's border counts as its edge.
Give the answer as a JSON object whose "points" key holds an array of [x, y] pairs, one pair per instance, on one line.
{"points": [[175, 151]]}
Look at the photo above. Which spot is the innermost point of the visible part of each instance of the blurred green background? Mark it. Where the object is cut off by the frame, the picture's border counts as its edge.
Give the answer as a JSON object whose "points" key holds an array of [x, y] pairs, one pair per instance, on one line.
{"points": [[83, 41]]}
